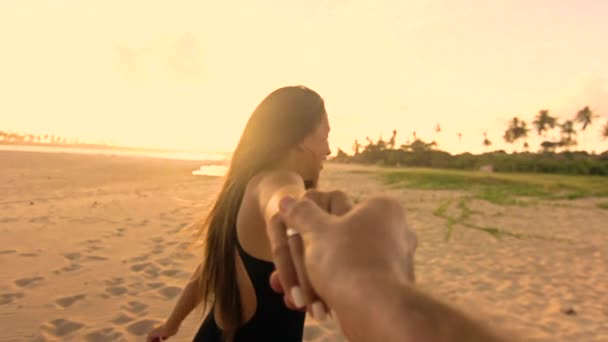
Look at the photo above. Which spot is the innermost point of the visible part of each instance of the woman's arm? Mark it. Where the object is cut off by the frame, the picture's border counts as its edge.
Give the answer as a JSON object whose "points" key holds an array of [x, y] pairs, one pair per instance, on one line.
{"points": [[275, 185], [188, 300]]}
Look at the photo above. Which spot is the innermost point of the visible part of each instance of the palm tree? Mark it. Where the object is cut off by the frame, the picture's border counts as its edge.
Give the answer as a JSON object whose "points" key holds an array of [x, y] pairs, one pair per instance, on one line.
{"points": [[436, 132], [486, 141], [568, 131], [543, 121], [414, 135], [517, 129], [605, 131], [356, 147], [391, 142], [585, 117]]}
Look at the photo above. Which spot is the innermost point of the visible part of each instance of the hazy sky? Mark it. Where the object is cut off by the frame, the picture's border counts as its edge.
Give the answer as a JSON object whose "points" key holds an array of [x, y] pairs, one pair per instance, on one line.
{"points": [[187, 74]]}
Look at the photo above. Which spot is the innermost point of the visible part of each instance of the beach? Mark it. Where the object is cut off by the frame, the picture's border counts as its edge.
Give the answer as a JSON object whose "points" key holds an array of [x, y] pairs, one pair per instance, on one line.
{"points": [[93, 249]]}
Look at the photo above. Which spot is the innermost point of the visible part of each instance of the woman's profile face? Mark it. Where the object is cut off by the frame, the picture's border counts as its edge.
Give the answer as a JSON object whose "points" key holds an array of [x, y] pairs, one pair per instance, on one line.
{"points": [[314, 149]]}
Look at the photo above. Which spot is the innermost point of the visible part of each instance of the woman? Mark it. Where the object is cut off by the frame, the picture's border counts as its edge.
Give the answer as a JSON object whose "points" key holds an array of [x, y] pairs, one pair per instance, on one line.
{"points": [[280, 153]]}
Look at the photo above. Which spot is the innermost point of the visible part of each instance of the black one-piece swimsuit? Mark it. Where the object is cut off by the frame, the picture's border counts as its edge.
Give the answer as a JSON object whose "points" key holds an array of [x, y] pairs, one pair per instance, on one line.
{"points": [[272, 320]]}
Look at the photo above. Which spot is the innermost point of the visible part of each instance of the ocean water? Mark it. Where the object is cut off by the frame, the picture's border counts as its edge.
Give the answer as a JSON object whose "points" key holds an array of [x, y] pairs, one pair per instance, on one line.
{"points": [[212, 164]]}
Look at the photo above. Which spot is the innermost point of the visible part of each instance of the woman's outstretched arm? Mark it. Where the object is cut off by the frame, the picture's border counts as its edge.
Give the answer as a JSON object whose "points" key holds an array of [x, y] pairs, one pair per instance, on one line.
{"points": [[188, 300]]}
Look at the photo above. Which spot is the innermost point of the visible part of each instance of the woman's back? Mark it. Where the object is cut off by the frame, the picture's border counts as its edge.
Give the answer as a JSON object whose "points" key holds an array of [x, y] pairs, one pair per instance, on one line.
{"points": [[265, 316]]}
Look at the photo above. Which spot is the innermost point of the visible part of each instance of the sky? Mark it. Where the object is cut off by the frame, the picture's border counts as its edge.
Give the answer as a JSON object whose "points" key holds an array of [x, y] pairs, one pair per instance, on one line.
{"points": [[187, 74]]}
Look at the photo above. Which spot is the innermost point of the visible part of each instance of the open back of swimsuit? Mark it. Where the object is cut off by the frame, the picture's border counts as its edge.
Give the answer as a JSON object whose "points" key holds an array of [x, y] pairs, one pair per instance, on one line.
{"points": [[272, 320]]}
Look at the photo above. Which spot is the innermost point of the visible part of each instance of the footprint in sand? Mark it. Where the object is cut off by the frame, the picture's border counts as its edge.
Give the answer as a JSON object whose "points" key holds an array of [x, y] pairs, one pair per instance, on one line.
{"points": [[93, 248], [140, 258], [104, 334], [121, 319], [175, 273], [96, 258], [7, 298], [170, 292], [76, 256], [93, 245], [157, 239], [155, 285], [181, 255], [29, 282], [136, 287], [135, 308], [116, 290], [158, 249], [61, 327], [149, 269], [29, 255], [68, 301], [152, 272], [8, 251], [114, 281], [140, 267], [165, 262], [142, 327], [72, 256], [69, 268]]}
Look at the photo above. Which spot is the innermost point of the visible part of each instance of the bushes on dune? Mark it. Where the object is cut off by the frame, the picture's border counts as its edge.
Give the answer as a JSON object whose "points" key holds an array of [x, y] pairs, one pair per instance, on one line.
{"points": [[581, 163]]}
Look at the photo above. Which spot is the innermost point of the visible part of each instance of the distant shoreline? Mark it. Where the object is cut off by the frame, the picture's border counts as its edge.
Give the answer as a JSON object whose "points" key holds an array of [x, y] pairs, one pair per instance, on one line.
{"points": [[105, 147], [205, 158]]}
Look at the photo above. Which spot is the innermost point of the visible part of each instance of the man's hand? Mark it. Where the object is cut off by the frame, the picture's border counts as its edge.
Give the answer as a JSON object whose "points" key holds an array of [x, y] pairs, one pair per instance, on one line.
{"points": [[288, 253]]}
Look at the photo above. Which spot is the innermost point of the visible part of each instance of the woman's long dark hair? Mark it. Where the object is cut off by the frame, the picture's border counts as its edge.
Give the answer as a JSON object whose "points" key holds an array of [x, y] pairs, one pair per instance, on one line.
{"points": [[281, 121]]}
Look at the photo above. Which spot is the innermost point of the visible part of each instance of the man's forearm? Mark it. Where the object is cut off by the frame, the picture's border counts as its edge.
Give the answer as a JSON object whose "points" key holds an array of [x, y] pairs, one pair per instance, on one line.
{"points": [[382, 308]]}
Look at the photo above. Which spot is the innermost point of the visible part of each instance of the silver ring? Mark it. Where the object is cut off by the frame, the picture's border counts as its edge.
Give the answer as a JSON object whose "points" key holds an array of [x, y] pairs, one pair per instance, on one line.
{"points": [[291, 232]]}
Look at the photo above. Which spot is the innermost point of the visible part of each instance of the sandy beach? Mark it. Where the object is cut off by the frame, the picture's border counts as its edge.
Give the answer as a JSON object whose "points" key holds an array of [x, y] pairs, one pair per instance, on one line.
{"points": [[92, 250]]}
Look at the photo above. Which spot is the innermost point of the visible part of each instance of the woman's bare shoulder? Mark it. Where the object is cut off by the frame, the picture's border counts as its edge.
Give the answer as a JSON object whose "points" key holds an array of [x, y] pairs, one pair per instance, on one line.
{"points": [[269, 180]]}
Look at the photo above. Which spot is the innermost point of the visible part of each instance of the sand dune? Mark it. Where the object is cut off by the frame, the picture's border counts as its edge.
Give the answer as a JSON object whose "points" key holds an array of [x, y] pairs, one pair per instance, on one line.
{"points": [[92, 251]]}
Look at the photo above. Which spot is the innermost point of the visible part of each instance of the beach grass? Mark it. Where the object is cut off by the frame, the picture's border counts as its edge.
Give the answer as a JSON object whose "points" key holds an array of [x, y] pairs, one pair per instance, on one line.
{"points": [[499, 188]]}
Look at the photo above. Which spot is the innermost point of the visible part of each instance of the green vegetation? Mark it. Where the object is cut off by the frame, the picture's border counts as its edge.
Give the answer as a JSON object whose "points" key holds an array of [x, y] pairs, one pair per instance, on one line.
{"points": [[603, 205], [553, 155], [463, 220], [500, 189]]}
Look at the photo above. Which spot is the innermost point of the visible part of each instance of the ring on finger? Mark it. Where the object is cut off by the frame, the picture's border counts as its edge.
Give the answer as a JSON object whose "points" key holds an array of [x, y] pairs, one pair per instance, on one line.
{"points": [[291, 232]]}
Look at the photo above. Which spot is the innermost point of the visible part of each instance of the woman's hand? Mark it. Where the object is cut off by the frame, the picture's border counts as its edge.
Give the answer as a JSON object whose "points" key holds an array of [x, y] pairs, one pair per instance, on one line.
{"points": [[161, 333]]}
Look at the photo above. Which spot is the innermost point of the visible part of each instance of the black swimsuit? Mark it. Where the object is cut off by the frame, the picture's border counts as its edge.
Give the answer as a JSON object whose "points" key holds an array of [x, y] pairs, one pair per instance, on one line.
{"points": [[272, 320]]}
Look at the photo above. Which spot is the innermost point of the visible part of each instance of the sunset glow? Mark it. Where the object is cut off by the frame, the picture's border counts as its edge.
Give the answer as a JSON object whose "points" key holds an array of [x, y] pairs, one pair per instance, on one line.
{"points": [[187, 74]]}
